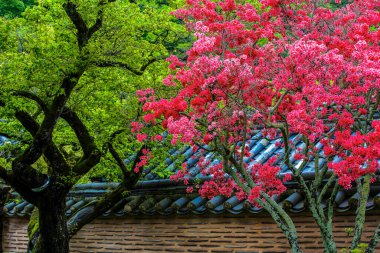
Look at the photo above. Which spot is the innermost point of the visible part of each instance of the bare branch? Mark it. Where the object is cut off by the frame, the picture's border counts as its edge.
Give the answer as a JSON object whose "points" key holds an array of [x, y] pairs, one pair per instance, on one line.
{"points": [[18, 185], [274, 109], [374, 240], [99, 19], [118, 160]]}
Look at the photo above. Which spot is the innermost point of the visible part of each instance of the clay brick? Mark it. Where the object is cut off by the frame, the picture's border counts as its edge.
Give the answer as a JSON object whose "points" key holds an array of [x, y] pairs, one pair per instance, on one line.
{"points": [[211, 234]]}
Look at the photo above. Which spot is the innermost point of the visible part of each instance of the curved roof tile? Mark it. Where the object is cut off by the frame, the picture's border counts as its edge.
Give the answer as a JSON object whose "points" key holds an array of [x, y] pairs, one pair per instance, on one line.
{"points": [[154, 195]]}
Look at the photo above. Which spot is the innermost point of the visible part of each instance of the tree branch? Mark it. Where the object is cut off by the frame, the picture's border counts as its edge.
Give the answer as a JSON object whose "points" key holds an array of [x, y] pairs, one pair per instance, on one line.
{"points": [[361, 211], [79, 23], [374, 240], [92, 211], [116, 156], [118, 160], [33, 97], [16, 184], [84, 33], [99, 20], [44, 135], [85, 139], [5, 174], [122, 65], [56, 160], [91, 152]]}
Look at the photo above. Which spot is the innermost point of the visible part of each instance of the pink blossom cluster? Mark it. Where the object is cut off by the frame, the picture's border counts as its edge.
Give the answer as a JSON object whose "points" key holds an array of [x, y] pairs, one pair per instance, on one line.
{"points": [[288, 64], [144, 159], [359, 154], [145, 95]]}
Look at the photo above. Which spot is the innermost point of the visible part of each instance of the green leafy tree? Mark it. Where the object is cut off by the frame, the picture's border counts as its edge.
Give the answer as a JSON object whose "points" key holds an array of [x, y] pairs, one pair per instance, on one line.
{"points": [[69, 72], [14, 8]]}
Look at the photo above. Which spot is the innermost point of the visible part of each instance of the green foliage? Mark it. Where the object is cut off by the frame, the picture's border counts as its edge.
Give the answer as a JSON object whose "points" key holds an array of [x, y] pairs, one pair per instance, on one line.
{"points": [[262, 42], [333, 5], [14, 8], [40, 47], [360, 249], [349, 231], [33, 224], [16, 200]]}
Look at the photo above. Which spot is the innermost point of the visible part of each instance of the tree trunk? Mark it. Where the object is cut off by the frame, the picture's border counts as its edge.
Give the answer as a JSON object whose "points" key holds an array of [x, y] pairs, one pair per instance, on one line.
{"points": [[1, 232], [361, 211], [375, 239], [4, 191], [54, 236], [328, 241]]}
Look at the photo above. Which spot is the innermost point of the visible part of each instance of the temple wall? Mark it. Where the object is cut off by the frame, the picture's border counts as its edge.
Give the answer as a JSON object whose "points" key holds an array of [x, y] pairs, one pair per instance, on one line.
{"points": [[196, 233]]}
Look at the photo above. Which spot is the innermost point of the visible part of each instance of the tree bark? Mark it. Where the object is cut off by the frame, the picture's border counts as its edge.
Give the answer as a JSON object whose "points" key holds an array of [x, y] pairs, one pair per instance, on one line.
{"points": [[1, 233], [4, 191], [361, 211], [54, 236], [375, 239]]}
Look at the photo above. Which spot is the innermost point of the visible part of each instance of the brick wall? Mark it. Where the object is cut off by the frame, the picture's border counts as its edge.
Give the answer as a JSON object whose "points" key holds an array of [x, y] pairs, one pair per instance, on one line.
{"points": [[15, 237], [250, 233]]}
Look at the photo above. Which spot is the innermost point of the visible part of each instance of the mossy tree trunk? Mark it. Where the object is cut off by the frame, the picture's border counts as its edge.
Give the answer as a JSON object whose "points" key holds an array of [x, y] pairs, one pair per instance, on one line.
{"points": [[54, 236], [53, 231]]}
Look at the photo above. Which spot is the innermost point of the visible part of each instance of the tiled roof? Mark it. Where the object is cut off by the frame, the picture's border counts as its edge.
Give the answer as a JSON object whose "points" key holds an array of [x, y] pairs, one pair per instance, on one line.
{"points": [[154, 195], [261, 149], [153, 201]]}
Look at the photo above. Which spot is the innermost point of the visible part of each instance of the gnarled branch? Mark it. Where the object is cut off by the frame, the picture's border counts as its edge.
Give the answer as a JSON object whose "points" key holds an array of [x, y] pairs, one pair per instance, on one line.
{"points": [[44, 134], [99, 19], [52, 153], [16, 184]]}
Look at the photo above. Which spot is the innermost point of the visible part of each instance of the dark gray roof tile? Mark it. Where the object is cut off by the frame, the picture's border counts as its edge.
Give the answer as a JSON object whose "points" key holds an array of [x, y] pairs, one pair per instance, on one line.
{"points": [[195, 203], [154, 195]]}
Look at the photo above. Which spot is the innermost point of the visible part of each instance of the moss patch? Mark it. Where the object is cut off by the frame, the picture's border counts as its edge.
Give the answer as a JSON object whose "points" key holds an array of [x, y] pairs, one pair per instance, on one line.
{"points": [[33, 223]]}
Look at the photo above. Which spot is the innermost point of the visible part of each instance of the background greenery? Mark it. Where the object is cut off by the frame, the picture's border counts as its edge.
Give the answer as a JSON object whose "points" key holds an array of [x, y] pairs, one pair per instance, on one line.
{"points": [[38, 47]]}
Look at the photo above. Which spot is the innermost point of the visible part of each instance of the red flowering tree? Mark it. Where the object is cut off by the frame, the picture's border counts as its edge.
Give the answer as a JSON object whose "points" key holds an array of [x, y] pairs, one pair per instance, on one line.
{"points": [[281, 68]]}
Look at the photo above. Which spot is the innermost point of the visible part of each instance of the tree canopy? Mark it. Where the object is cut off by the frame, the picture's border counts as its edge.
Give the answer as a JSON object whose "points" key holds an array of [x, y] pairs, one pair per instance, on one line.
{"points": [[69, 73], [14, 8], [134, 38], [304, 74]]}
